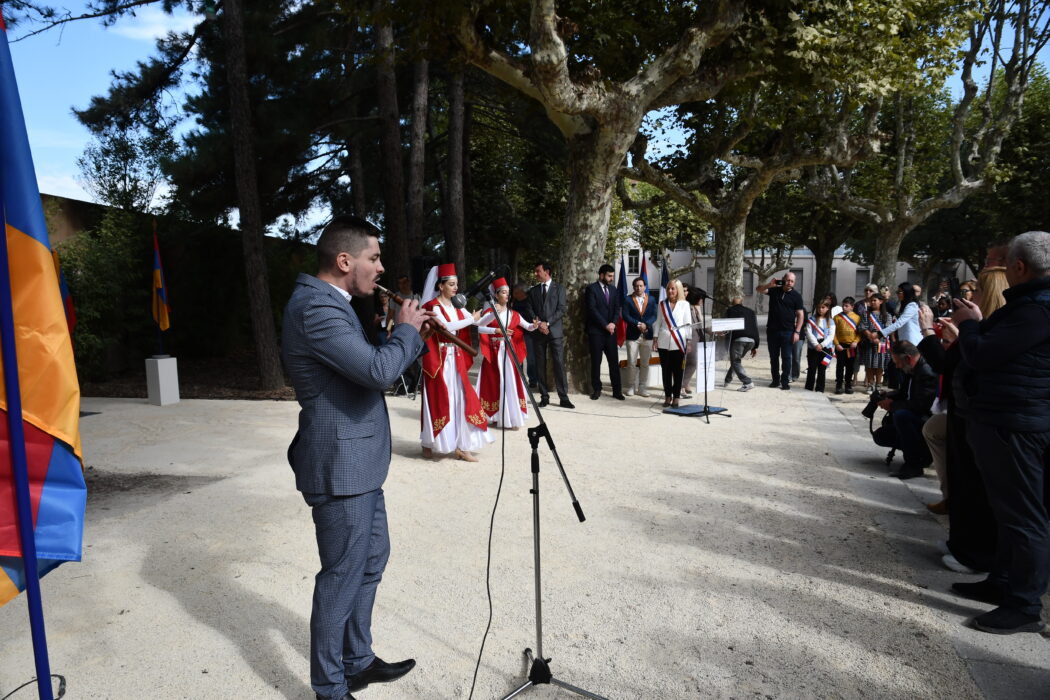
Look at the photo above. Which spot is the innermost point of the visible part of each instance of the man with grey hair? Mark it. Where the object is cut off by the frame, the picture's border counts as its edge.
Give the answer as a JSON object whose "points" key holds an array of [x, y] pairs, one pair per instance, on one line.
{"points": [[1004, 386]]}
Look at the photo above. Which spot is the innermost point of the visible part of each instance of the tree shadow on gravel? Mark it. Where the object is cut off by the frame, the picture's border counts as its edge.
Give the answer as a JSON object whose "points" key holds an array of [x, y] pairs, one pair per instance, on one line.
{"points": [[757, 517], [206, 584], [113, 494]]}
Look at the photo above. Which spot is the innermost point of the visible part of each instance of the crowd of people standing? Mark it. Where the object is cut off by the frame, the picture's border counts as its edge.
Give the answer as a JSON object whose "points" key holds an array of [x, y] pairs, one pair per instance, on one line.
{"points": [[964, 381]]}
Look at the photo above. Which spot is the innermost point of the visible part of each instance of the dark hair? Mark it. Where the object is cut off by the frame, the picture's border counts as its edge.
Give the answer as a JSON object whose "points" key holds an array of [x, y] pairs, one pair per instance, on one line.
{"points": [[878, 295], [639, 279], [903, 347], [402, 277], [343, 234], [545, 265], [908, 290], [849, 300], [606, 268], [831, 296], [694, 296]]}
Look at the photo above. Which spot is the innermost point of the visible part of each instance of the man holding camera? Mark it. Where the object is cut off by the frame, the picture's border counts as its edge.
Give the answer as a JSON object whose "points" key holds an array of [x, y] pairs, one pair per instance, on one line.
{"points": [[909, 407], [783, 327]]}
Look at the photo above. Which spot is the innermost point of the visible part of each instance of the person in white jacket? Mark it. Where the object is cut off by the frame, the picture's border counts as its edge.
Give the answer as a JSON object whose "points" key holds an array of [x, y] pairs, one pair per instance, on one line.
{"points": [[820, 341], [670, 338]]}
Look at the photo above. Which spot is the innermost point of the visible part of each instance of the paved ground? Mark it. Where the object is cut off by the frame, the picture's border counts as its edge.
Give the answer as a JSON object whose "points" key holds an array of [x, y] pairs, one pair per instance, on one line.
{"points": [[763, 555]]}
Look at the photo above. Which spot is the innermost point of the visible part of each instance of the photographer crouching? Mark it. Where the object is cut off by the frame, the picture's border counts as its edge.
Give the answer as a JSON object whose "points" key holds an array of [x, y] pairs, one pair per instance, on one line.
{"points": [[909, 407]]}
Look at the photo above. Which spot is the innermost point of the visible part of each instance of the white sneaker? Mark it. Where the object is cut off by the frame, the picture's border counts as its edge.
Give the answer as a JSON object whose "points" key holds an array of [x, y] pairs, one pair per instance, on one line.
{"points": [[955, 565], [630, 392], [747, 387], [644, 394]]}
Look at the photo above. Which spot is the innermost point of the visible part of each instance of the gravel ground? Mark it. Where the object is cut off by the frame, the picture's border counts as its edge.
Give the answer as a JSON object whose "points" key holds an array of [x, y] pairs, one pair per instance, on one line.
{"points": [[764, 555]]}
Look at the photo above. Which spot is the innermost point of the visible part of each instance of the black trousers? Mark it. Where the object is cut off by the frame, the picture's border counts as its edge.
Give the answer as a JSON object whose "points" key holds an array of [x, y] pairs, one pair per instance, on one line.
{"points": [[1013, 466], [815, 371], [905, 434], [671, 367], [604, 344], [844, 368], [971, 523]]}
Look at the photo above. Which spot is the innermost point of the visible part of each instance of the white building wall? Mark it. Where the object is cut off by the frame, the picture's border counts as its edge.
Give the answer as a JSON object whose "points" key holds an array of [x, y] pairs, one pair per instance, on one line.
{"points": [[848, 278]]}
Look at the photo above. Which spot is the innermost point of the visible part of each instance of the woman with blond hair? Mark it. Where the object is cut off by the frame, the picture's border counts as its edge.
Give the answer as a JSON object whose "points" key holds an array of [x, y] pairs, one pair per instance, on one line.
{"points": [[991, 283], [669, 339]]}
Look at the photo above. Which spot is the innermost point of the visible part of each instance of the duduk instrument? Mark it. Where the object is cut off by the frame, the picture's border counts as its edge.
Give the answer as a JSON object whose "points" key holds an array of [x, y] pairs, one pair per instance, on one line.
{"points": [[430, 327]]}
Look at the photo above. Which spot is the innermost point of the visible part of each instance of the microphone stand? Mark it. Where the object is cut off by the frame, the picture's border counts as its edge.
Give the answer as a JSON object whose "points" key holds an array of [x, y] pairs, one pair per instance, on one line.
{"points": [[539, 666], [707, 412]]}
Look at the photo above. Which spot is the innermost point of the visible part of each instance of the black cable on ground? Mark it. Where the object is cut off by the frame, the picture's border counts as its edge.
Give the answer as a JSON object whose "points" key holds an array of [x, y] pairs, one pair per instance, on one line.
{"points": [[61, 687]]}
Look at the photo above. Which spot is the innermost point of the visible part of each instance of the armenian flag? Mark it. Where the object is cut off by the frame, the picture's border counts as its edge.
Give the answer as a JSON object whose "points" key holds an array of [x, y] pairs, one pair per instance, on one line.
{"points": [[161, 307], [621, 289], [39, 428]]}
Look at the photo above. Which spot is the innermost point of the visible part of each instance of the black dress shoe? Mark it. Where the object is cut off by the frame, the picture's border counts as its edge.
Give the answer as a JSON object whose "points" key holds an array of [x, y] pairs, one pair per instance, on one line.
{"points": [[565, 403], [984, 591], [596, 395], [545, 401], [619, 397], [1008, 621], [380, 671]]}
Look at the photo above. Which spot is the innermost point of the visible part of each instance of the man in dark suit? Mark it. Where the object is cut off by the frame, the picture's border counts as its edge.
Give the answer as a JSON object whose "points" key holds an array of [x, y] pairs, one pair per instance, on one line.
{"points": [[548, 303], [341, 452], [603, 310]]}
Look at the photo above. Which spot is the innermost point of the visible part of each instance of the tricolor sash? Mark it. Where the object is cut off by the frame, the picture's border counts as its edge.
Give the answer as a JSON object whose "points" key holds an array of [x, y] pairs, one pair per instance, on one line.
{"points": [[816, 329], [847, 320], [874, 321], [676, 334]]}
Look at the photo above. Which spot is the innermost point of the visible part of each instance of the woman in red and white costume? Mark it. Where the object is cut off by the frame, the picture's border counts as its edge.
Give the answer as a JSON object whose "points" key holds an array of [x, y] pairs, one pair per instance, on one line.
{"points": [[452, 419], [499, 385]]}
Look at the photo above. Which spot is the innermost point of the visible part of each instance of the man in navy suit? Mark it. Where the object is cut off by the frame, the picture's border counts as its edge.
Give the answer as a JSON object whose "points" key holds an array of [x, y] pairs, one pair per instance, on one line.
{"points": [[603, 311], [341, 453]]}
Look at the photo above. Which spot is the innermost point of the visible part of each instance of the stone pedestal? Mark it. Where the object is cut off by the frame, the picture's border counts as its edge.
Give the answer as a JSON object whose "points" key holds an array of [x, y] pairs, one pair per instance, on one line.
{"points": [[162, 380]]}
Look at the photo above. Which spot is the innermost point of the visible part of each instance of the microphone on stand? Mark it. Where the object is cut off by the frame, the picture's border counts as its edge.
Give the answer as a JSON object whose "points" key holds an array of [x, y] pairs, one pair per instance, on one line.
{"points": [[482, 284]]}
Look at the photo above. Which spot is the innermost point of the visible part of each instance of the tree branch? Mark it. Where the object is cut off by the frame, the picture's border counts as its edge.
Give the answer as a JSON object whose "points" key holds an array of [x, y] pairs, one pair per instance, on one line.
{"points": [[118, 9]]}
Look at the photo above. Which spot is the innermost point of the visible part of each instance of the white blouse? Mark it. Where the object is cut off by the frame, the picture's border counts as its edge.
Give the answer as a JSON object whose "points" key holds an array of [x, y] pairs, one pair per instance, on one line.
{"points": [[682, 317]]}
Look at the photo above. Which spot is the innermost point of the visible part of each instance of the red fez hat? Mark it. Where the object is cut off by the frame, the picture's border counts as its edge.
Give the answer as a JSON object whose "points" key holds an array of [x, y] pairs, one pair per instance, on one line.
{"points": [[446, 270], [499, 283]]}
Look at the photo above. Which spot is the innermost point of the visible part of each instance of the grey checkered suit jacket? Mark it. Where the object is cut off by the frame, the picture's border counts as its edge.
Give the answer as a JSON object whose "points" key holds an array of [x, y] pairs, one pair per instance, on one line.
{"points": [[343, 444]]}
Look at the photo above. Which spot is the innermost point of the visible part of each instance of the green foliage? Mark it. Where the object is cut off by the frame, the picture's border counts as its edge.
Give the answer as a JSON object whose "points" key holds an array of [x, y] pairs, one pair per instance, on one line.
{"points": [[121, 167], [106, 270]]}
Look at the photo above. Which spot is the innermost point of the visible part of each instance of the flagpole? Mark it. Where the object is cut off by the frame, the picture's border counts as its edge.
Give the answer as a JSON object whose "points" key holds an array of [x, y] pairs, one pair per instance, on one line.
{"points": [[17, 445]]}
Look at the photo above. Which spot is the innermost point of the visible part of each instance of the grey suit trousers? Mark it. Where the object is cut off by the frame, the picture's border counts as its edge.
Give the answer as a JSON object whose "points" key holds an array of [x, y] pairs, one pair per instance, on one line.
{"points": [[557, 349], [354, 546]]}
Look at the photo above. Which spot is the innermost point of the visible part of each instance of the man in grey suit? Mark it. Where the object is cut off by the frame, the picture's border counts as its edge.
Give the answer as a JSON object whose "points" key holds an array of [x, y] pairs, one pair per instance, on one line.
{"points": [[548, 304], [341, 453]]}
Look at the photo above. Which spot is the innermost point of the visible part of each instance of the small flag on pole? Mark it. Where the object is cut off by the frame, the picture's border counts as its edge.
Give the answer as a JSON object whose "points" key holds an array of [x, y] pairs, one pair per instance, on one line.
{"points": [[161, 307], [621, 289], [665, 279]]}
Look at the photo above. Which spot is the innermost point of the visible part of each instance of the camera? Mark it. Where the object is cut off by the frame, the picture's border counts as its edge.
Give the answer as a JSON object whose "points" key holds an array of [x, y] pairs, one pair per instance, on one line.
{"points": [[873, 404], [779, 283], [954, 288]]}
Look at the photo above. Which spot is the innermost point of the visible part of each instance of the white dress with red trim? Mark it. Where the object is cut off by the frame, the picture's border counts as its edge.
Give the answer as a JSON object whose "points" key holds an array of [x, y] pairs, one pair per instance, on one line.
{"points": [[502, 392], [451, 414]]}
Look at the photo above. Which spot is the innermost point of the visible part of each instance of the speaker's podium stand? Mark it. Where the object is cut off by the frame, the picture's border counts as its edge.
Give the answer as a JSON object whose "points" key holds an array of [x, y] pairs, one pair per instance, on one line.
{"points": [[705, 368]]}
